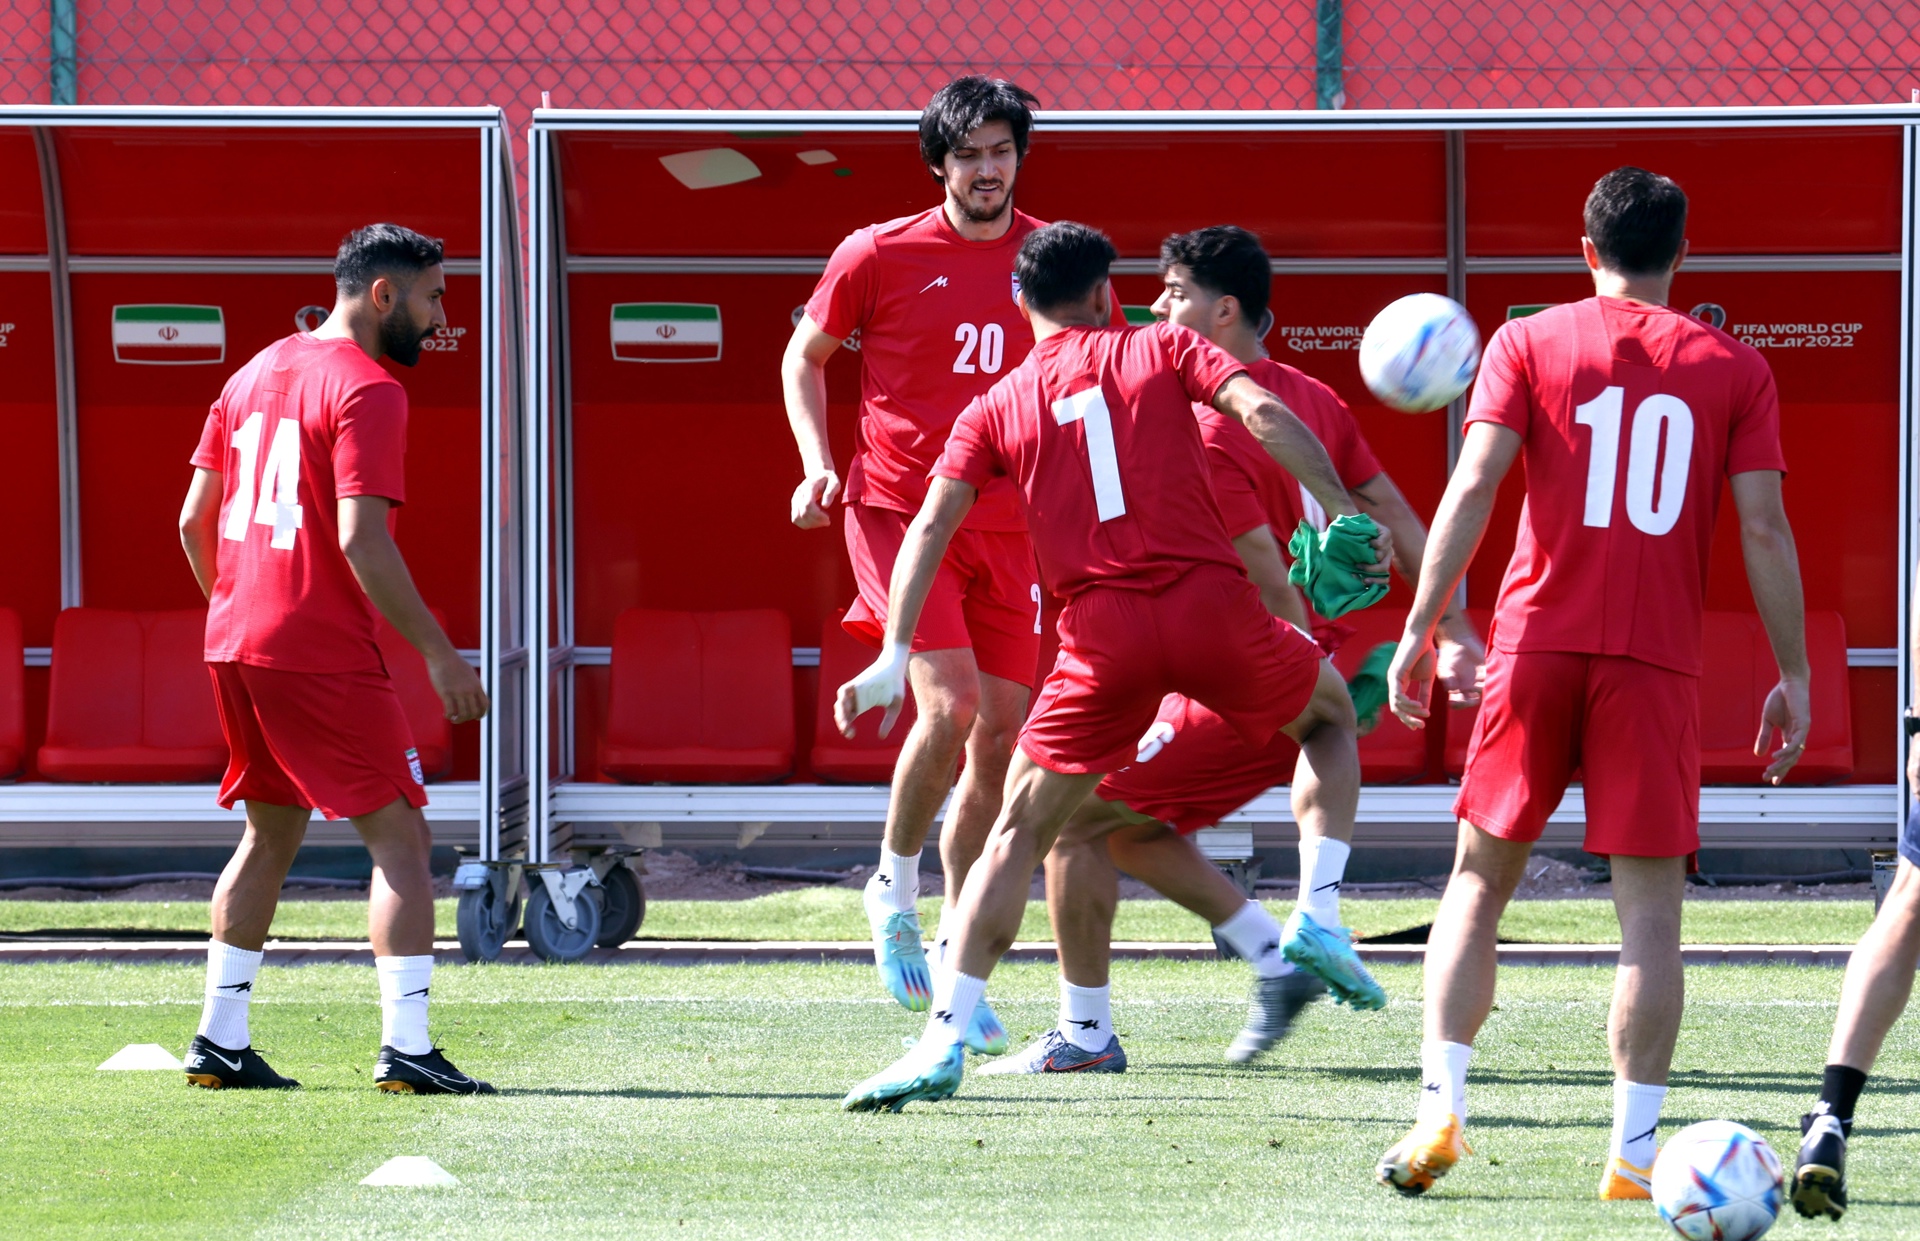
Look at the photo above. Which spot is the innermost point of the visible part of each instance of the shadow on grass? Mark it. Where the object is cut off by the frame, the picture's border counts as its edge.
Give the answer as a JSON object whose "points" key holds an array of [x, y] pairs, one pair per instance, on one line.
{"points": [[642, 1092]]}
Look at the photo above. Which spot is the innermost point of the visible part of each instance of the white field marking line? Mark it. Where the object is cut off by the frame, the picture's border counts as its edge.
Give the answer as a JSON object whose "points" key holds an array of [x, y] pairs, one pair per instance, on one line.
{"points": [[826, 1001]]}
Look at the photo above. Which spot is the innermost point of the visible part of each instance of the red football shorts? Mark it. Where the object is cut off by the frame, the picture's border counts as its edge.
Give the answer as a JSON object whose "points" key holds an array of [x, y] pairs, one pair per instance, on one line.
{"points": [[1193, 770], [1631, 729], [1122, 651], [986, 595], [336, 742]]}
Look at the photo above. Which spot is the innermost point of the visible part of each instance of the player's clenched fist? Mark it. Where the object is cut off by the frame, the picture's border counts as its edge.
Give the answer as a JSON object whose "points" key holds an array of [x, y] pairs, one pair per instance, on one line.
{"points": [[882, 684], [461, 693], [1410, 680], [813, 497]]}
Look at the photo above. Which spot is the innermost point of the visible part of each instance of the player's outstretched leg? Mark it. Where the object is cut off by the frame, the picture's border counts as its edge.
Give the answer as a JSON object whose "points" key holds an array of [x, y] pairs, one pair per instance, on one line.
{"points": [[1878, 984], [1462, 963], [400, 922], [1326, 797], [221, 1056]]}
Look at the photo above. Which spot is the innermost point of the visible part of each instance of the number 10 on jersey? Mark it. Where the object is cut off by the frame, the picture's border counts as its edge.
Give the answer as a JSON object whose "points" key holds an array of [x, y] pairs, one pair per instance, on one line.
{"points": [[279, 486]]}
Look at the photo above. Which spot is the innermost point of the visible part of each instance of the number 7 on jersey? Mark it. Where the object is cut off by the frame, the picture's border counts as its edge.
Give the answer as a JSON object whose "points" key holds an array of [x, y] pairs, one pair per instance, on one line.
{"points": [[1089, 407]]}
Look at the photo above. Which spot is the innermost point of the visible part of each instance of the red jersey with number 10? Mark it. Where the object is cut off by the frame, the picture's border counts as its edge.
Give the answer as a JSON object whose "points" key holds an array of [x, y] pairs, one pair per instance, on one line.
{"points": [[938, 326], [1631, 416], [1096, 430], [304, 424]]}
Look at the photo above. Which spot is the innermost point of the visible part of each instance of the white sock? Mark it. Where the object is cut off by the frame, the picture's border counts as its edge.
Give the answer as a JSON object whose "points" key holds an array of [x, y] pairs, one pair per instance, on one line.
{"points": [[1636, 1115], [1256, 937], [1323, 864], [230, 975], [1443, 1081], [955, 995], [403, 1002], [937, 954], [1086, 1015], [896, 885]]}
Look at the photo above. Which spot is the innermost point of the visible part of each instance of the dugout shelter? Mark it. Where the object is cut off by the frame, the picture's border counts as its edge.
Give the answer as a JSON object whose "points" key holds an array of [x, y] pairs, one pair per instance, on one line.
{"points": [[686, 622], [145, 254]]}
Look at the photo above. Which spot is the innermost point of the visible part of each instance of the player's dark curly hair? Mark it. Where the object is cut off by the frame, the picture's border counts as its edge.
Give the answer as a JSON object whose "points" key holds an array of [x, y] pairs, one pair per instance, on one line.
{"points": [[964, 105], [383, 250], [1062, 263], [1637, 220], [1227, 261]]}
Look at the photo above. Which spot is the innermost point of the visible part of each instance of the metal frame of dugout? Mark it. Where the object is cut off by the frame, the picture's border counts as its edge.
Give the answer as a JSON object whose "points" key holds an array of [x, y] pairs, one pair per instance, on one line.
{"points": [[484, 817], [584, 818]]}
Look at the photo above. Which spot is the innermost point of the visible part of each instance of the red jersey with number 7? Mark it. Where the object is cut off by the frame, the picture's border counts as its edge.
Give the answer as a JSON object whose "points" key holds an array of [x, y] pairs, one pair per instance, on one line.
{"points": [[304, 424], [1631, 415], [938, 326], [1096, 430]]}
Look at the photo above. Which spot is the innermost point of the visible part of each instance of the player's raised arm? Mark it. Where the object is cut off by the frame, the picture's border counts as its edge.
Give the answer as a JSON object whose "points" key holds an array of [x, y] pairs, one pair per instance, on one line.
{"points": [[884, 682], [1773, 571], [803, 382], [1287, 440], [1485, 458]]}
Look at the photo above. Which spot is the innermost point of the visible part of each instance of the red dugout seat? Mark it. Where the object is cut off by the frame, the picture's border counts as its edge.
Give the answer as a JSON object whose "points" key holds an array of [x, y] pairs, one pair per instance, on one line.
{"points": [[867, 759], [1737, 675], [131, 699], [13, 696], [426, 717], [1392, 753], [700, 698]]}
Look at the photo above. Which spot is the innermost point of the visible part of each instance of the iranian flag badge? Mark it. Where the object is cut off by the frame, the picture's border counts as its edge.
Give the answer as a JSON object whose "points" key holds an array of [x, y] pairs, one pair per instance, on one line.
{"points": [[666, 332], [169, 334]]}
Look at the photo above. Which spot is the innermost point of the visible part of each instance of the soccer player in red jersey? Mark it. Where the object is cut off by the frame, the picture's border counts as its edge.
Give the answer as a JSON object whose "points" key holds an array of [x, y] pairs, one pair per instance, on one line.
{"points": [[1192, 768], [1096, 431], [1627, 415], [931, 297], [288, 527]]}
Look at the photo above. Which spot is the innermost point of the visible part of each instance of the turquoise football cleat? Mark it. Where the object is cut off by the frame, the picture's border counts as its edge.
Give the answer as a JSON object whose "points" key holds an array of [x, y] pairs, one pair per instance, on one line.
{"points": [[985, 1035], [1329, 956], [929, 1074], [899, 955]]}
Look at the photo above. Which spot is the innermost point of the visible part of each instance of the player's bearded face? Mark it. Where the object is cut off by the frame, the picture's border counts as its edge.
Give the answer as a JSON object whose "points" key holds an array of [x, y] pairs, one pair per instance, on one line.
{"points": [[414, 316], [979, 176]]}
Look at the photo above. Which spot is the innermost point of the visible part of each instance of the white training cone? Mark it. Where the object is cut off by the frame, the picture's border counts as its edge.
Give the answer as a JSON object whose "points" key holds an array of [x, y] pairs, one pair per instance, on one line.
{"points": [[410, 1170], [142, 1056]]}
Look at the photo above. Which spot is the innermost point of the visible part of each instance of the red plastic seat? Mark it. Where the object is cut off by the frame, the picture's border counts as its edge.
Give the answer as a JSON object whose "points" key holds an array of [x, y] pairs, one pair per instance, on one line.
{"points": [[1737, 675], [426, 717], [700, 698], [13, 696], [131, 699], [867, 759], [1392, 753]]}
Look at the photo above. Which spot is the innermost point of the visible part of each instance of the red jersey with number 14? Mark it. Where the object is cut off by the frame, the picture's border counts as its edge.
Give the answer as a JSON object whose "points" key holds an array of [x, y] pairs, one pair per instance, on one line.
{"points": [[307, 422], [1631, 416], [938, 326], [1096, 430]]}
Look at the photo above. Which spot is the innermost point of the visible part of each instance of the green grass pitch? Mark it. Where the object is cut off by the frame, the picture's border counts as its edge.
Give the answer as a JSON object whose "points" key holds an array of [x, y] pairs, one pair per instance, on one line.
{"points": [[704, 1102]]}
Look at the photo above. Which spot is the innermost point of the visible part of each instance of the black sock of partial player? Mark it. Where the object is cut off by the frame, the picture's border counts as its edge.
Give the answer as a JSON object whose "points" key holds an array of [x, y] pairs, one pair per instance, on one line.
{"points": [[1840, 1088]]}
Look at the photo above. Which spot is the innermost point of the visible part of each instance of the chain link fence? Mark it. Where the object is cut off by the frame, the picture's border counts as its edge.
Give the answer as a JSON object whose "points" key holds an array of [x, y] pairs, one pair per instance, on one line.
{"points": [[894, 53]]}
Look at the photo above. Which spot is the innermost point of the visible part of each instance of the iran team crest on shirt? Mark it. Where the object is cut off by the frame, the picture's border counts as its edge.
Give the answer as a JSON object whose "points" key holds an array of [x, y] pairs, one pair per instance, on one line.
{"points": [[169, 335], [666, 332], [413, 767]]}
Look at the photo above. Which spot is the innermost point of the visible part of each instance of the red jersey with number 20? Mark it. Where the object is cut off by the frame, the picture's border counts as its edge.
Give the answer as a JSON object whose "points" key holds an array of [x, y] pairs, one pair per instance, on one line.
{"points": [[938, 326], [307, 422], [1631, 416], [1096, 429]]}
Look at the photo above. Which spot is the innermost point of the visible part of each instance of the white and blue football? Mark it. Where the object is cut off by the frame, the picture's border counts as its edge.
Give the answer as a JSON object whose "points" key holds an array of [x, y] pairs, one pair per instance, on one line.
{"points": [[1717, 1180], [1420, 353]]}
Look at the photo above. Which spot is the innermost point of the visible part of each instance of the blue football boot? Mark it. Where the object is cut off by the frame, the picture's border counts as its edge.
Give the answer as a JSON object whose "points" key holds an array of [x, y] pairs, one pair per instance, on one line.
{"points": [[925, 1073], [898, 954], [1329, 956], [985, 1035]]}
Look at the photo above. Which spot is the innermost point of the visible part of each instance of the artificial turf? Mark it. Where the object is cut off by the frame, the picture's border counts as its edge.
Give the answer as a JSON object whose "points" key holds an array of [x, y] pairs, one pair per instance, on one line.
{"points": [[704, 1101], [834, 914]]}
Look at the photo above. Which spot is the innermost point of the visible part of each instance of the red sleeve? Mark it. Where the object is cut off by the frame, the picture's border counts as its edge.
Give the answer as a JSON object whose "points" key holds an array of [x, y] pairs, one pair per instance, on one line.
{"points": [[1753, 437], [843, 299], [970, 455], [1500, 394], [1234, 490], [1203, 366], [212, 452], [370, 444]]}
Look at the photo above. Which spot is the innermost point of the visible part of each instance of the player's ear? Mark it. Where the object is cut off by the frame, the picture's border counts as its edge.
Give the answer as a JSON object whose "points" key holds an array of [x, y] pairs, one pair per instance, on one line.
{"points": [[1225, 309], [1591, 253], [1102, 306], [1020, 300], [381, 294], [1679, 258]]}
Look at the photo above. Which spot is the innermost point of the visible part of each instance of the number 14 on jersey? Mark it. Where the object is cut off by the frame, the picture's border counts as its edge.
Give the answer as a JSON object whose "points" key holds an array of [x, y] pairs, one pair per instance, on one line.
{"points": [[278, 490]]}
